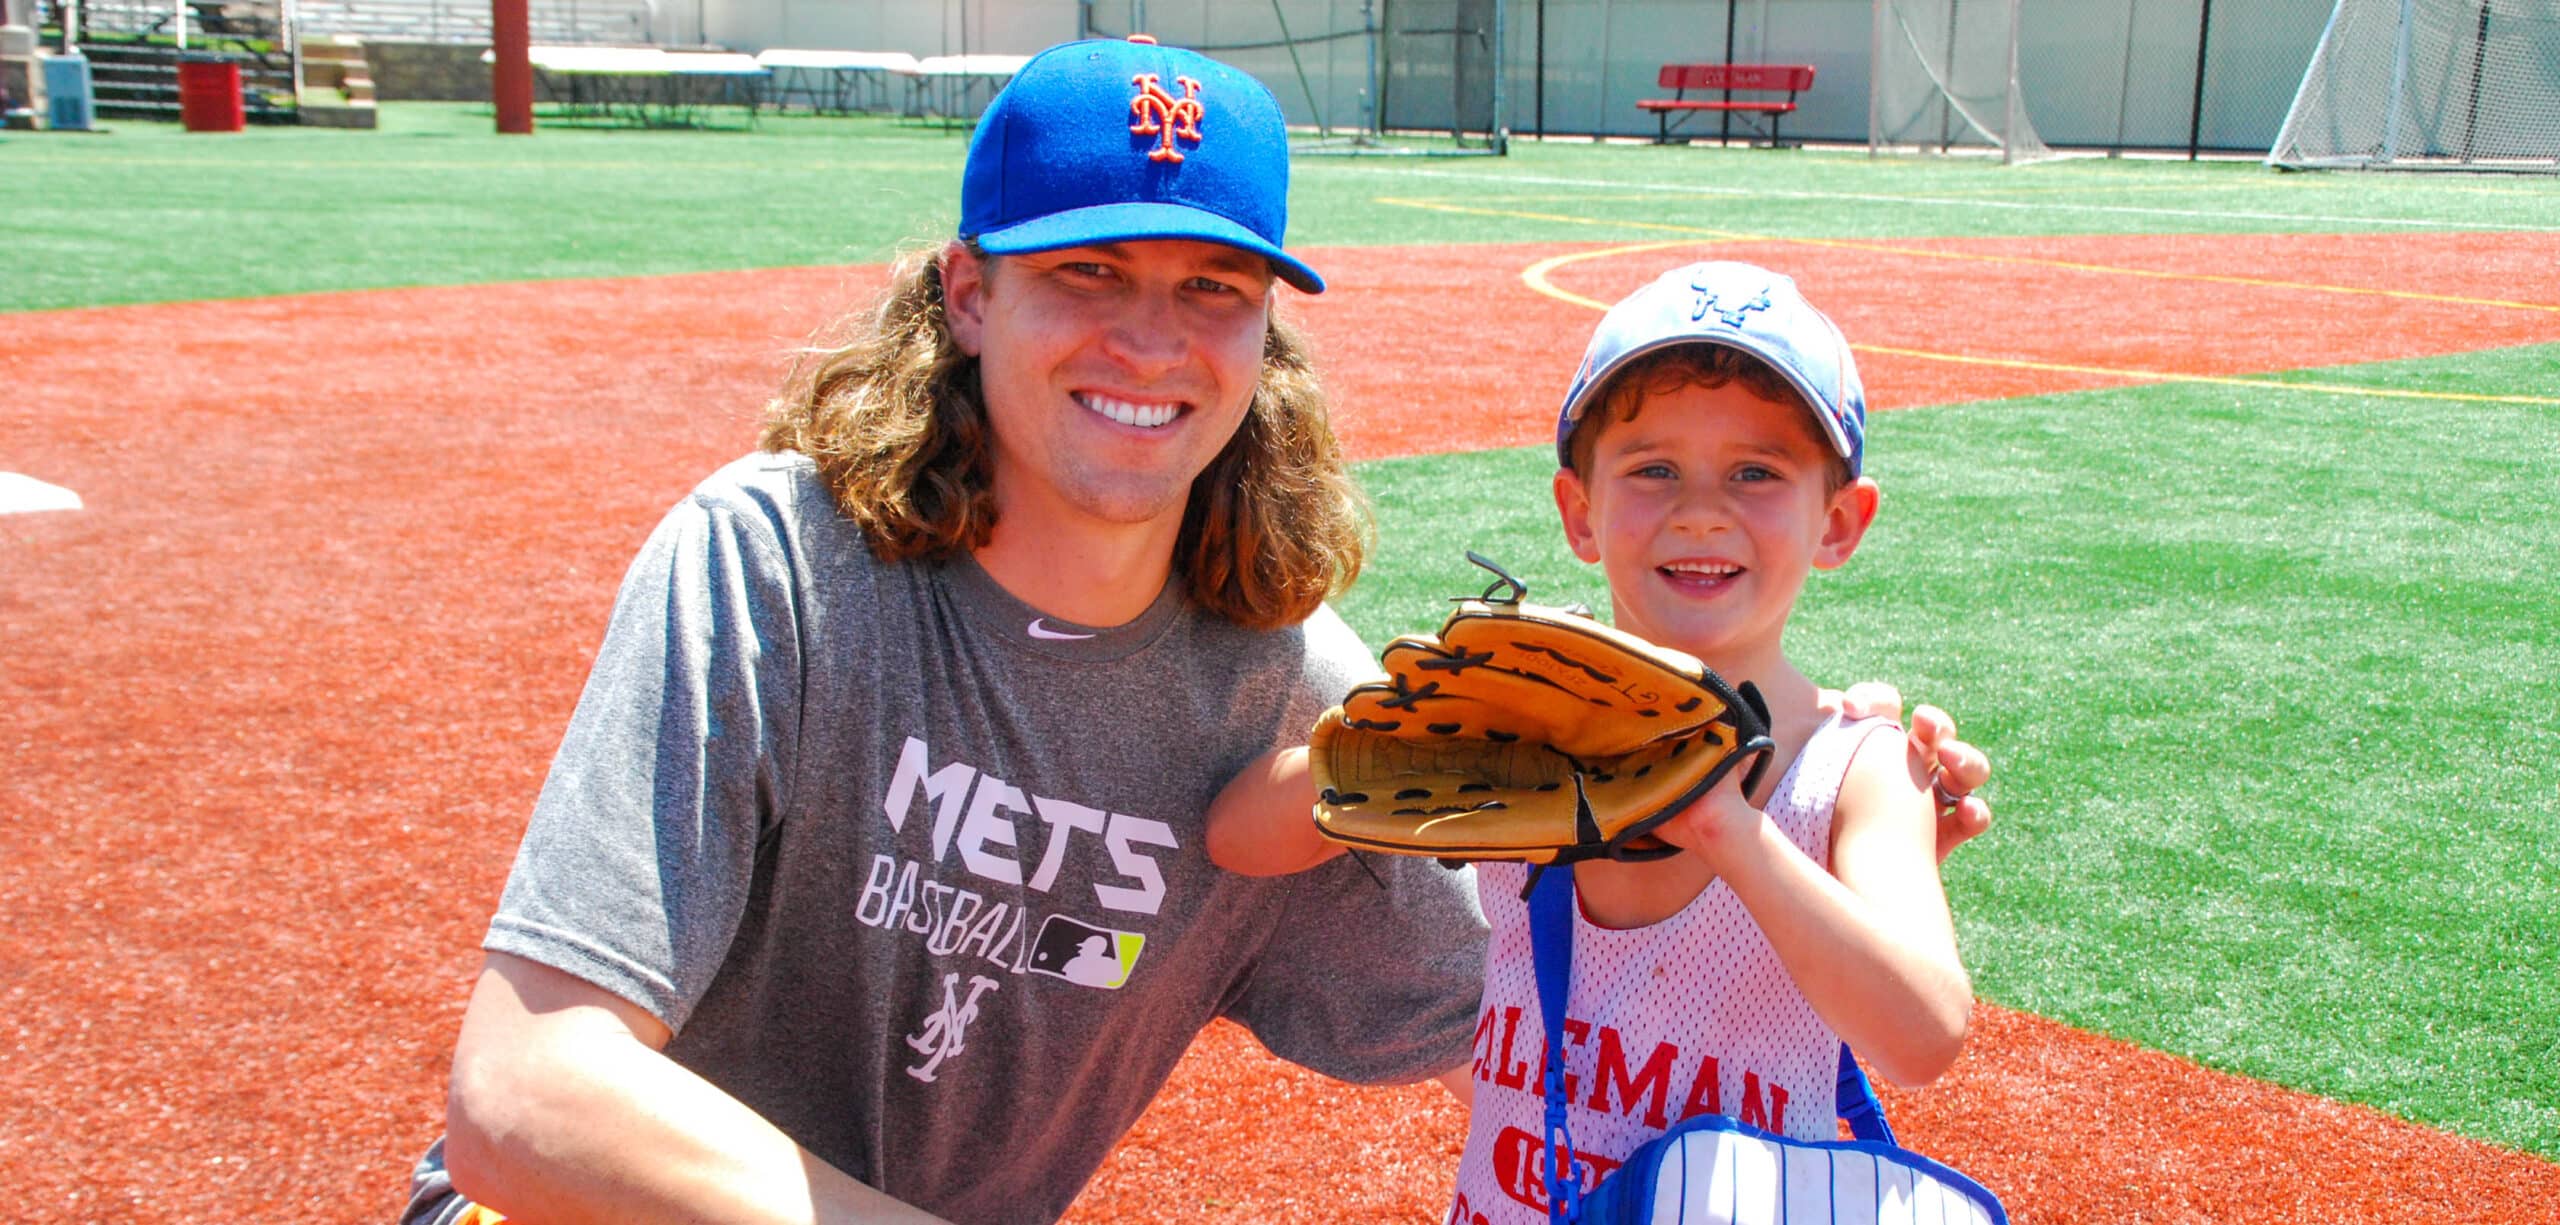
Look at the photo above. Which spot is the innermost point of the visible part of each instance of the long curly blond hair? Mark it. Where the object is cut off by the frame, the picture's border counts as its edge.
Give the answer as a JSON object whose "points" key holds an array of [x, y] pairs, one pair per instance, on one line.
{"points": [[890, 409]]}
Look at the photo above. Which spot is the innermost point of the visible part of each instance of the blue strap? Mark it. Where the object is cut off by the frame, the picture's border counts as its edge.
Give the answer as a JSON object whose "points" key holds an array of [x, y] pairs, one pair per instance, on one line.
{"points": [[1551, 954], [1856, 1101]]}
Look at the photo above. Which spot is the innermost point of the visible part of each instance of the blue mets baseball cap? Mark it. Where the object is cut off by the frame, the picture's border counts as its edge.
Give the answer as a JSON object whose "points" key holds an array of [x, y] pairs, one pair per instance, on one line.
{"points": [[1109, 141], [1740, 306]]}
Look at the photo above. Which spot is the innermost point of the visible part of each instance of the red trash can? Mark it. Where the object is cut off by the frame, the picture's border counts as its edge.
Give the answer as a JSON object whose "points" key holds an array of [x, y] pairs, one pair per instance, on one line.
{"points": [[209, 95]]}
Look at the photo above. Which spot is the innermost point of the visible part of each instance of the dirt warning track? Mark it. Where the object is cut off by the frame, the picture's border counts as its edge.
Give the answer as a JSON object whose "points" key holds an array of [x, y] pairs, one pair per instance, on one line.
{"points": [[276, 702]]}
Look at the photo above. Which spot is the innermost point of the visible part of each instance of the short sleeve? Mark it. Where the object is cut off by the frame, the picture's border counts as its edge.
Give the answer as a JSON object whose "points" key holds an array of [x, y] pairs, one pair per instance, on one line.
{"points": [[641, 852], [1369, 983]]}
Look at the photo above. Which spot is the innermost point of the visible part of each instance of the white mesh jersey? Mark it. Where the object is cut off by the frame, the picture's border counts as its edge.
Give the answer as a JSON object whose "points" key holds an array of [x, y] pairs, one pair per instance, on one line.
{"points": [[1692, 1015]]}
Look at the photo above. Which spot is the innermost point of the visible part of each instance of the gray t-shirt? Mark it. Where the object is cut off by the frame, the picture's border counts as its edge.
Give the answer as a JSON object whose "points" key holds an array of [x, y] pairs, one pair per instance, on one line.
{"points": [[917, 872]]}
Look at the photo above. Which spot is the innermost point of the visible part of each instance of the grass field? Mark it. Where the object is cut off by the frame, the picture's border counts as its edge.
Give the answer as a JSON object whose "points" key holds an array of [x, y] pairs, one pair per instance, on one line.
{"points": [[2267, 659], [152, 213]]}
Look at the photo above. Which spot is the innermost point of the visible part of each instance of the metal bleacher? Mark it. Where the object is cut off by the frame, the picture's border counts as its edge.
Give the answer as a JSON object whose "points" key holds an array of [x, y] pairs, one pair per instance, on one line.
{"points": [[133, 56], [132, 45], [599, 22]]}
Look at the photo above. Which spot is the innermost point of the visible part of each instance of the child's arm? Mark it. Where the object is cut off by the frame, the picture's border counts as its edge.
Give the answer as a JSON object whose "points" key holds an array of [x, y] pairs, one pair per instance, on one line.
{"points": [[1870, 943], [1263, 822]]}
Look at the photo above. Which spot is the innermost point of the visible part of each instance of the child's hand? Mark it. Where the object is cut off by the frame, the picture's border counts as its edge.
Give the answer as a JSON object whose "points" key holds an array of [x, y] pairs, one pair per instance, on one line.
{"points": [[1718, 822], [1958, 768]]}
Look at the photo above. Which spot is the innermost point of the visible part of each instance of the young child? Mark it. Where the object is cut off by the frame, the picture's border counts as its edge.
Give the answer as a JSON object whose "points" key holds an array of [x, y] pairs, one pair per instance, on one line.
{"points": [[1711, 451]]}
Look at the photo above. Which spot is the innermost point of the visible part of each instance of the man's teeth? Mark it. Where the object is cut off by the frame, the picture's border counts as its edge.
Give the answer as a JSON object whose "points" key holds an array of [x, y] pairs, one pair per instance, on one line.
{"points": [[1144, 416], [1702, 570]]}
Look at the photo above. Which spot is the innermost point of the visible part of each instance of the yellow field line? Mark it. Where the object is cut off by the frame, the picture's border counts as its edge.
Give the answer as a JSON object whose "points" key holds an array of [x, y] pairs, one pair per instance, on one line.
{"points": [[1642, 195], [2217, 380], [191, 163], [1975, 257], [1535, 276]]}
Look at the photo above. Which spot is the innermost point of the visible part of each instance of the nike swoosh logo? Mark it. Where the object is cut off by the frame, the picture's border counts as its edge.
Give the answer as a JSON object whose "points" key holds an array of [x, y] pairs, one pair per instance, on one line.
{"points": [[1041, 631]]}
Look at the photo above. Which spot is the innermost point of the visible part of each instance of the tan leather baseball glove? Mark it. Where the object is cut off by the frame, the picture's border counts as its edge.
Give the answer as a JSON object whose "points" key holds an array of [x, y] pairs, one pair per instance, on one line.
{"points": [[1531, 733]]}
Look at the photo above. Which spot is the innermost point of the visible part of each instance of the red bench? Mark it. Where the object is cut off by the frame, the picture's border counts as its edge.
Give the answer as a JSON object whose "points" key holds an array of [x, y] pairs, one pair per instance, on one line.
{"points": [[1725, 79]]}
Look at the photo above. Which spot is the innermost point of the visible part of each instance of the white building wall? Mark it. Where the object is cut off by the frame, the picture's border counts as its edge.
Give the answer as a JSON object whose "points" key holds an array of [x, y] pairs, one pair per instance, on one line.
{"points": [[2095, 73]]}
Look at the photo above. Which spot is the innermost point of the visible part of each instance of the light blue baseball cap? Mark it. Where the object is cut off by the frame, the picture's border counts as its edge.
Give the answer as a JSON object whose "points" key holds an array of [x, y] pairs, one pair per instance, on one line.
{"points": [[1740, 306], [1104, 141]]}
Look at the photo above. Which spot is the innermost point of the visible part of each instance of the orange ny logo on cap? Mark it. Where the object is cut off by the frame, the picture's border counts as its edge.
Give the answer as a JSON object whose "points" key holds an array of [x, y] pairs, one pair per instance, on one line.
{"points": [[1162, 115]]}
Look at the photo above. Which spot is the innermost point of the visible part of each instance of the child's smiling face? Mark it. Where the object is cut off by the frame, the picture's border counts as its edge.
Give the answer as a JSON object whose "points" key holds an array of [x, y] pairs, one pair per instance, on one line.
{"points": [[1706, 509]]}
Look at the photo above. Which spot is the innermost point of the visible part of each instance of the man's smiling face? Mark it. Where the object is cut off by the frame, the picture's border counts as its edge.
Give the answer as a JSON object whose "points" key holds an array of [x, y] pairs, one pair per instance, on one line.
{"points": [[1113, 374]]}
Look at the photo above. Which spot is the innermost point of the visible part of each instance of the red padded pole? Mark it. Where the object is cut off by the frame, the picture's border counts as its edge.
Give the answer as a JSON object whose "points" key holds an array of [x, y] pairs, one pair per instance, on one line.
{"points": [[511, 72]]}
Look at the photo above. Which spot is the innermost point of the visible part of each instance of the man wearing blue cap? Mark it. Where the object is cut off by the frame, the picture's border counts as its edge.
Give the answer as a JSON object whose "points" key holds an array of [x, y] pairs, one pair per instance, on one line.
{"points": [[868, 882]]}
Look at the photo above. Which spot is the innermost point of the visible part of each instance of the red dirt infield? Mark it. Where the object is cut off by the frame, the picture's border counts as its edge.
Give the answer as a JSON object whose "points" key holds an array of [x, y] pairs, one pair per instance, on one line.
{"points": [[276, 703]]}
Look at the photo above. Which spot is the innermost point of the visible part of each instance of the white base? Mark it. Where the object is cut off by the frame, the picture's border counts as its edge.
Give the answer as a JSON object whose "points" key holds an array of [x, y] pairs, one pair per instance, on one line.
{"points": [[25, 493]]}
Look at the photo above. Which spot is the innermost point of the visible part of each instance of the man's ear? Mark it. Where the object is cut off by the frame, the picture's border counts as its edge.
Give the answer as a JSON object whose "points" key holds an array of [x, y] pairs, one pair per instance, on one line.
{"points": [[1852, 512], [1573, 505], [964, 295]]}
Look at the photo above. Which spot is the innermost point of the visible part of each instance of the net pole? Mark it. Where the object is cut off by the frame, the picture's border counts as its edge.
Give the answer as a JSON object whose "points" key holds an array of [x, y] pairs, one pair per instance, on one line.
{"points": [[1501, 137], [1946, 100], [2124, 78], [2479, 61], [2013, 108], [1725, 136], [1542, 70], [1875, 76], [2195, 106], [1377, 83], [2285, 136], [1317, 108], [1458, 33], [2399, 88]]}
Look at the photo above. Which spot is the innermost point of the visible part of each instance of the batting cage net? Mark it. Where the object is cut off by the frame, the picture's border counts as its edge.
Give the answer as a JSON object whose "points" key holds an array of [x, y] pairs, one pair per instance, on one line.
{"points": [[1438, 71], [2430, 85], [1354, 76], [1945, 78]]}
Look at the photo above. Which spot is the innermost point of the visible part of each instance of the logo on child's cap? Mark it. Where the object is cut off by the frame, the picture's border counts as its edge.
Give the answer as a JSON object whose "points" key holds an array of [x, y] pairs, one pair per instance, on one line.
{"points": [[1089, 144], [1740, 306], [1709, 299]]}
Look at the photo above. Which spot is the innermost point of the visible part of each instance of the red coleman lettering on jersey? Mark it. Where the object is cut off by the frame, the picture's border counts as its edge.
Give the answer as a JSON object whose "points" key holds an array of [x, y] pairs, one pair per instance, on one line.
{"points": [[1509, 1054]]}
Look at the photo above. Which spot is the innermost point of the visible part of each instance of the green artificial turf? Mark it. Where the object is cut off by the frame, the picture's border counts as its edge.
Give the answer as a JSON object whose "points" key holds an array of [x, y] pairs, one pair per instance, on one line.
{"points": [[1579, 192], [2268, 676], [435, 197], [146, 212]]}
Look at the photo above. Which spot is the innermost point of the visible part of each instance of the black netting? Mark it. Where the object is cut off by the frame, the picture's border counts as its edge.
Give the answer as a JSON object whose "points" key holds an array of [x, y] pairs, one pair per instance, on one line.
{"points": [[1436, 66]]}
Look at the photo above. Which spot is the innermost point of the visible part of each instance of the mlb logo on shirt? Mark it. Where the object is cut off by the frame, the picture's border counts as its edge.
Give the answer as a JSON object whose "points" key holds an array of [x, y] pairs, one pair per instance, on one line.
{"points": [[1083, 954]]}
